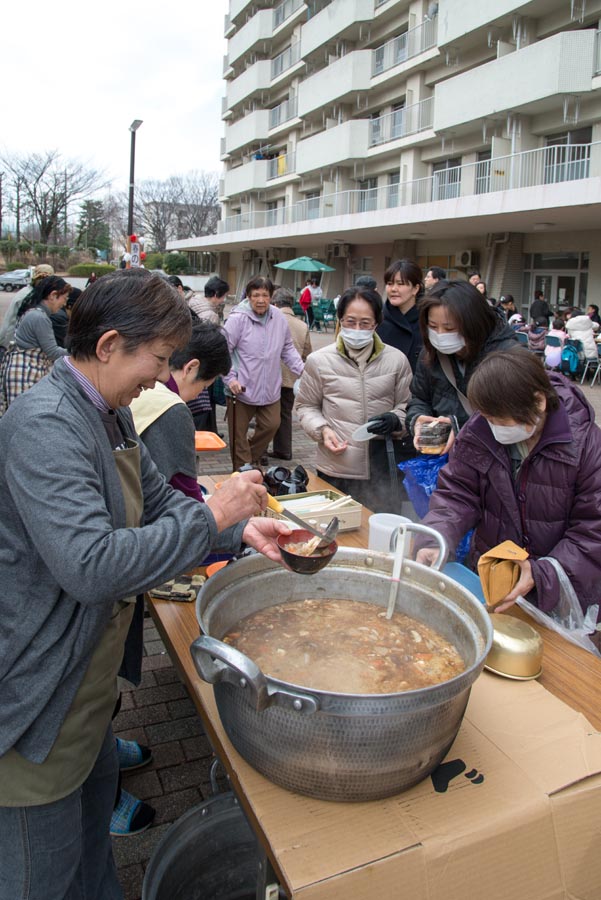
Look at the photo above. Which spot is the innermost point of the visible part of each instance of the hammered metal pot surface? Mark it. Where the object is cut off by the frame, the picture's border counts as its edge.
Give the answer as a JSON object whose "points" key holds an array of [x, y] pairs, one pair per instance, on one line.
{"points": [[343, 747]]}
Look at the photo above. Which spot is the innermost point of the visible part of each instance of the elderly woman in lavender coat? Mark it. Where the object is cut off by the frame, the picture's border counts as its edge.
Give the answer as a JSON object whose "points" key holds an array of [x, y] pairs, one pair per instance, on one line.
{"points": [[259, 338], [526, 468]]}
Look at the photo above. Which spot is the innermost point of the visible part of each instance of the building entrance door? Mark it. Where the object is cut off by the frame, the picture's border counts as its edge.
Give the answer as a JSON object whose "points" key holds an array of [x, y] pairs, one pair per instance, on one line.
{"points": [[559, 289]]}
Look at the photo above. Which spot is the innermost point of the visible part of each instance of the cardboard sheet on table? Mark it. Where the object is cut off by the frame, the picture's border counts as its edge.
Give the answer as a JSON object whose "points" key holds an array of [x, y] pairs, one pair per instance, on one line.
{"points": [[524, 769]]}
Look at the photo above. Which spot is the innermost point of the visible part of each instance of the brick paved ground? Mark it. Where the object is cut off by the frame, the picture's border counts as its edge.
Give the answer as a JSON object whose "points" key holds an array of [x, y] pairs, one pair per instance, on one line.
{"points": [[158, 713]]}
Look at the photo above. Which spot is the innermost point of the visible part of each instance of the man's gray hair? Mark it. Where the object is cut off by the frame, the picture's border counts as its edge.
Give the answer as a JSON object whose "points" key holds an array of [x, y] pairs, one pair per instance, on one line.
{"points": [[283, 297]]}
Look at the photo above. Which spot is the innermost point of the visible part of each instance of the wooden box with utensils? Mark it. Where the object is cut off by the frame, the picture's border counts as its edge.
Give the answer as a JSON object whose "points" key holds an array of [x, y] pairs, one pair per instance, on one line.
{"points": [[318, 507]]}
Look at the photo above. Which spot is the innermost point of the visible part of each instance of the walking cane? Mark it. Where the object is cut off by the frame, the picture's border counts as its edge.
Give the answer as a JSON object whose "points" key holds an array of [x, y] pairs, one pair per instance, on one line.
{"points": [[233, 442]]}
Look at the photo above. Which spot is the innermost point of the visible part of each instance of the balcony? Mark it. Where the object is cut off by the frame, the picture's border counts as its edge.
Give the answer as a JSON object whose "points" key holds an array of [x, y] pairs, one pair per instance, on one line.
{"points": [[283, 113], [536, 73], [341, 18], [543, 169], [251, 129], [252, 81], [401, 122], [250, 177], [285, 60], [282, 165], [598, 54], [284, 10], [228, 26], [405, 46], [237, 7], [256, 31], [461, 17], [333, 147], [342, 79]]}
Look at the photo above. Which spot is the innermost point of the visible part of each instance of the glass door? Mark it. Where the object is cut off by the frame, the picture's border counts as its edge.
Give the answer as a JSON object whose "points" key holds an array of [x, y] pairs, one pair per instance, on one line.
{"points": [[559, 290]]}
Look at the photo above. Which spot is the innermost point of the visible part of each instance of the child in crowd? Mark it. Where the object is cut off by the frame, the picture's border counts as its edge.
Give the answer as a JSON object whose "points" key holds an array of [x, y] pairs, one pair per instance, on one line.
{"points": [[537, 334], [553, 354]]}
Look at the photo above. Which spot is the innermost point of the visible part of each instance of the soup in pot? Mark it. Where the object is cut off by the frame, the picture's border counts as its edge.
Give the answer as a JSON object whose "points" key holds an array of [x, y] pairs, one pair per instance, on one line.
{"points": [[346, 647]]}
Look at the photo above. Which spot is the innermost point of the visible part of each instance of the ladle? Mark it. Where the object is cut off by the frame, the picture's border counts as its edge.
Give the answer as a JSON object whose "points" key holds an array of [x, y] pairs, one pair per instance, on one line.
{"points": [[326, 537]]}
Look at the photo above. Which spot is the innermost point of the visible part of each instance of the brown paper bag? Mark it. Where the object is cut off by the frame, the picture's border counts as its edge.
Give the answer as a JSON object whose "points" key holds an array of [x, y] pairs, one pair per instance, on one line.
{"points": [[499, 571]]}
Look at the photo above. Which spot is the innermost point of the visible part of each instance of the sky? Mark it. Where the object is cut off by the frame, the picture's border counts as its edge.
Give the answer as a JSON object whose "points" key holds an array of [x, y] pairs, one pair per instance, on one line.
{"points": [[76, 75]]}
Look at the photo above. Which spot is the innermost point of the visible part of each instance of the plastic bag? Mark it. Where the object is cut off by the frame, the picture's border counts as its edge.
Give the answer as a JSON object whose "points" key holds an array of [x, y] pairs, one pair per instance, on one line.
{"points": [[567, 618], [421, 478]]}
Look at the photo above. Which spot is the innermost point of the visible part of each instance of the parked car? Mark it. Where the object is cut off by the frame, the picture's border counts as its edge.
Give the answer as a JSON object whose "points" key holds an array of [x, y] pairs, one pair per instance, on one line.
{"points": [[13, 281]]}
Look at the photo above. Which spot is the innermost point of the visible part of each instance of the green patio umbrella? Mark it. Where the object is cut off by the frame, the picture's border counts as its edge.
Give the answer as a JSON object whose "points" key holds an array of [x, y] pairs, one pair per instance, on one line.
{"points": [[305, 264]]}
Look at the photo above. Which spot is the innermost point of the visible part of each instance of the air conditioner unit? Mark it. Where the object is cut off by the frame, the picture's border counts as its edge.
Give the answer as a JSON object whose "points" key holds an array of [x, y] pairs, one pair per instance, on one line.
{"points": [[341, 250], [465, 258]]}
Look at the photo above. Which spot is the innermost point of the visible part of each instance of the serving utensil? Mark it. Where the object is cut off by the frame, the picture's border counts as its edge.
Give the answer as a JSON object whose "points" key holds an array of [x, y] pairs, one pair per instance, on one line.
{"points": [[399, 555], [325, 537]]}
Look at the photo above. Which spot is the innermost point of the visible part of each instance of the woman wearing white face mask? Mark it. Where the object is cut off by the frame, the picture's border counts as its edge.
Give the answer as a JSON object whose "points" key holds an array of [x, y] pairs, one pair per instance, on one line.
{"points": [[347, 384], [526, 469], [458, 331]]}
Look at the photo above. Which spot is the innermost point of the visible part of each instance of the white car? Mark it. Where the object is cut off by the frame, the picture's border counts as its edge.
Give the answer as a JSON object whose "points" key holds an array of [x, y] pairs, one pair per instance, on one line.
{"points": [[13, 281]]}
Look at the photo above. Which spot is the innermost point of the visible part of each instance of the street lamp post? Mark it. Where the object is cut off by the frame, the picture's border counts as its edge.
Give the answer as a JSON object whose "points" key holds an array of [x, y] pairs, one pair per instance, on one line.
{"points": [[132, 161]]}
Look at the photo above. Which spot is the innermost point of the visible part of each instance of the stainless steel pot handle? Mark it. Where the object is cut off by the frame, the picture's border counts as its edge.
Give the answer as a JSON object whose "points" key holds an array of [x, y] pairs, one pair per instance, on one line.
{"points": [[216, 662], [443, 547]]}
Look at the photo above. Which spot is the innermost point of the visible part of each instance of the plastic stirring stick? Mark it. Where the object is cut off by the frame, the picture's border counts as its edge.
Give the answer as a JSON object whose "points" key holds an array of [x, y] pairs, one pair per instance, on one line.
{"points": [[397, 565]]}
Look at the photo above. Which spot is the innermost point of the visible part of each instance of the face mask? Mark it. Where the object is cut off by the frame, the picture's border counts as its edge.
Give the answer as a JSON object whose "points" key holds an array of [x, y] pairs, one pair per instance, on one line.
{"points": [[448, 343], [355, 338], [512, 434]]}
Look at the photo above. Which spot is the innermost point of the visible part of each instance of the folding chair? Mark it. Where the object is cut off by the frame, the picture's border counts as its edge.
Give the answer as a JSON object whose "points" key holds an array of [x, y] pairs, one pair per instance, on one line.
{"points": [[593, 365], [522, 337]]}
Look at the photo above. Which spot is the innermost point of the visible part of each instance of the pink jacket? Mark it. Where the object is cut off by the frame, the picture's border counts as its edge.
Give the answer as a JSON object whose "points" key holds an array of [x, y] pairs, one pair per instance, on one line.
{"points": [[257, 345]]}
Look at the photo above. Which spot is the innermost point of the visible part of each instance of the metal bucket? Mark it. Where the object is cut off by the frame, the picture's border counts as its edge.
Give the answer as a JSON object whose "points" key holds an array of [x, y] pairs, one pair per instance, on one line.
{"points": [[338, 746], [210, 853]]}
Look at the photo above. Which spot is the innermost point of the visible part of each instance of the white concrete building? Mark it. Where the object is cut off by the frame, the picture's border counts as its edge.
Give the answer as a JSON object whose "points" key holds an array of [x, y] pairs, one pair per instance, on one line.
{"points": [[460, 133]]}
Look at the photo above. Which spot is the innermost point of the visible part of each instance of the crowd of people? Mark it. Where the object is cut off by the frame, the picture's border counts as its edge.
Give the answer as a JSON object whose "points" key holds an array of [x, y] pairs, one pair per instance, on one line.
{"points": [[101, 393]]}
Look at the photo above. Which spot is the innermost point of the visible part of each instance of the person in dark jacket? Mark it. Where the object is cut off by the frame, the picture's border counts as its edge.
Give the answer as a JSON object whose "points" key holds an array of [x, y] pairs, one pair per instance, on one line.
{"points": [[526, 469], [400, 323], [540, 308], [458, 331]]}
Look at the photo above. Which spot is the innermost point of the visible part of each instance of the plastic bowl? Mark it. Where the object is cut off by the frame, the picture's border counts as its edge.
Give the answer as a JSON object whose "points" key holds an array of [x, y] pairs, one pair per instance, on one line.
{"points": [[304, 565]]}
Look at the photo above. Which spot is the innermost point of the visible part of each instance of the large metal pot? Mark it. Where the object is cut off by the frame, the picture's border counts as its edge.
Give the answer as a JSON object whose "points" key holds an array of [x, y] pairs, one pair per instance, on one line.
{"points": [[338, 746]]}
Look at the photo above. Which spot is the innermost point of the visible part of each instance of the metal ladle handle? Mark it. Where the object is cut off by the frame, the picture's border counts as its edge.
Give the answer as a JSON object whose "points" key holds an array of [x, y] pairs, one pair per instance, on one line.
{"points": [[443, 547]]}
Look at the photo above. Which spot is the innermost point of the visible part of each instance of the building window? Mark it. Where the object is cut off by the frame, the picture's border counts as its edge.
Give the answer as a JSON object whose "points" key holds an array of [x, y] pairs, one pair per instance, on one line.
{"points": [[397, 121], [394, 180], [312, 202], [483, 172], [568, 155], [446, 179], [368, 195]]}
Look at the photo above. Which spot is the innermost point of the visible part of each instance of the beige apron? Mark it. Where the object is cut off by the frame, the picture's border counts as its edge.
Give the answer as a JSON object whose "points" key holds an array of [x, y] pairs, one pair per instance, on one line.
{"points": [[23, 783]]}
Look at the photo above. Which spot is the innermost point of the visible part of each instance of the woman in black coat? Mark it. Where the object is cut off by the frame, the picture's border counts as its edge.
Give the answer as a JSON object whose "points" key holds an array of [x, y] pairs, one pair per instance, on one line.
{"points": [[458, 331], [400, 323]]}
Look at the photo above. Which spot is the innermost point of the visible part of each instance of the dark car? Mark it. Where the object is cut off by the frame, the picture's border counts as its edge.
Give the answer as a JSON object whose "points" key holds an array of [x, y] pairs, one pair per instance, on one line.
{"points": [[14, 281]]}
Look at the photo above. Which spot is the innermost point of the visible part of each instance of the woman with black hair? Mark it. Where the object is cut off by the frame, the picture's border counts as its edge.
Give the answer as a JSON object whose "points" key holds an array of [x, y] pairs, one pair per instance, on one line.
{"points": [[161, 415], [355, 381], [400, 319], [35, 347], [458, 331]]}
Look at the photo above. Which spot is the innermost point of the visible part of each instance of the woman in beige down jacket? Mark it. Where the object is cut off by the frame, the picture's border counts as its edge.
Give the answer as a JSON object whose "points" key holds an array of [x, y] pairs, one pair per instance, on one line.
{"points": [[355, 380]]}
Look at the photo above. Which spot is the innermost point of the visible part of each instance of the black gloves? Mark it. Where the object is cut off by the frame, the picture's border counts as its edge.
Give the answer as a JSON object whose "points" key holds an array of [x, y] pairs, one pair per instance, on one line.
{"points": [[384, 424]]}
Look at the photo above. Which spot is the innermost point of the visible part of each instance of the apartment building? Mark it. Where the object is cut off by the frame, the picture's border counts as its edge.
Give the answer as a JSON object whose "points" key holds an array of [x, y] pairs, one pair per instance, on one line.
{"points": [[460, 133]]}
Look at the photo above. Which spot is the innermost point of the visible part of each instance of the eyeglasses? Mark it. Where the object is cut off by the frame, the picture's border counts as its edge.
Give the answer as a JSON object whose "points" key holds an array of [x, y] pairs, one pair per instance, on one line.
{"points": [[363, 324]]}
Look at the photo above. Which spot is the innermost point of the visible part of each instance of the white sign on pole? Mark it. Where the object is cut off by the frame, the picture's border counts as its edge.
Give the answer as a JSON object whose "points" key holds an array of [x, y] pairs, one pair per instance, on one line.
{"points": [[135, 255]]}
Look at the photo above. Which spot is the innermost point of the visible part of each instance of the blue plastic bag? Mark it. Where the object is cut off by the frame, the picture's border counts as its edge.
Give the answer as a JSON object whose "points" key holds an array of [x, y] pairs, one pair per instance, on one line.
{"points": [[421, 478]]}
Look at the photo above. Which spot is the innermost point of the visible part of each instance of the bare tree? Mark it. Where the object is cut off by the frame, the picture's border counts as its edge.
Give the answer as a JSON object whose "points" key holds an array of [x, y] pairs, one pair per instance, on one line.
{"points": [[47, 186], [183, 206]]}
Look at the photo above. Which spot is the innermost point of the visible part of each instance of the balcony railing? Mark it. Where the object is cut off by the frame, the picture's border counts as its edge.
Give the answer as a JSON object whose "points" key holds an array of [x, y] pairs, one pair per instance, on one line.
{"points": [[285, 60], [401, 122], [405, 46], [546, 165], [284, 164], [283, 113], [284, 10]]}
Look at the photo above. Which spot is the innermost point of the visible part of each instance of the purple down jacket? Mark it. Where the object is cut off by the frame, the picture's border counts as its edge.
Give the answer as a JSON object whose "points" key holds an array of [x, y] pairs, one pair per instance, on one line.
{"points": [[553, 509]]}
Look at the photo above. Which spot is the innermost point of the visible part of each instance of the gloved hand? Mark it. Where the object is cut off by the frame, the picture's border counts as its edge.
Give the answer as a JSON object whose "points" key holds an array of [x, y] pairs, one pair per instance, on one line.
{"points": [[384, 424]]}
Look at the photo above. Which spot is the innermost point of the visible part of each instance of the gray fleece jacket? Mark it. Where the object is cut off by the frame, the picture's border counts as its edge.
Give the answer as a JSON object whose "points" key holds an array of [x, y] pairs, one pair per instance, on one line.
{"points": [[66, 555]]}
